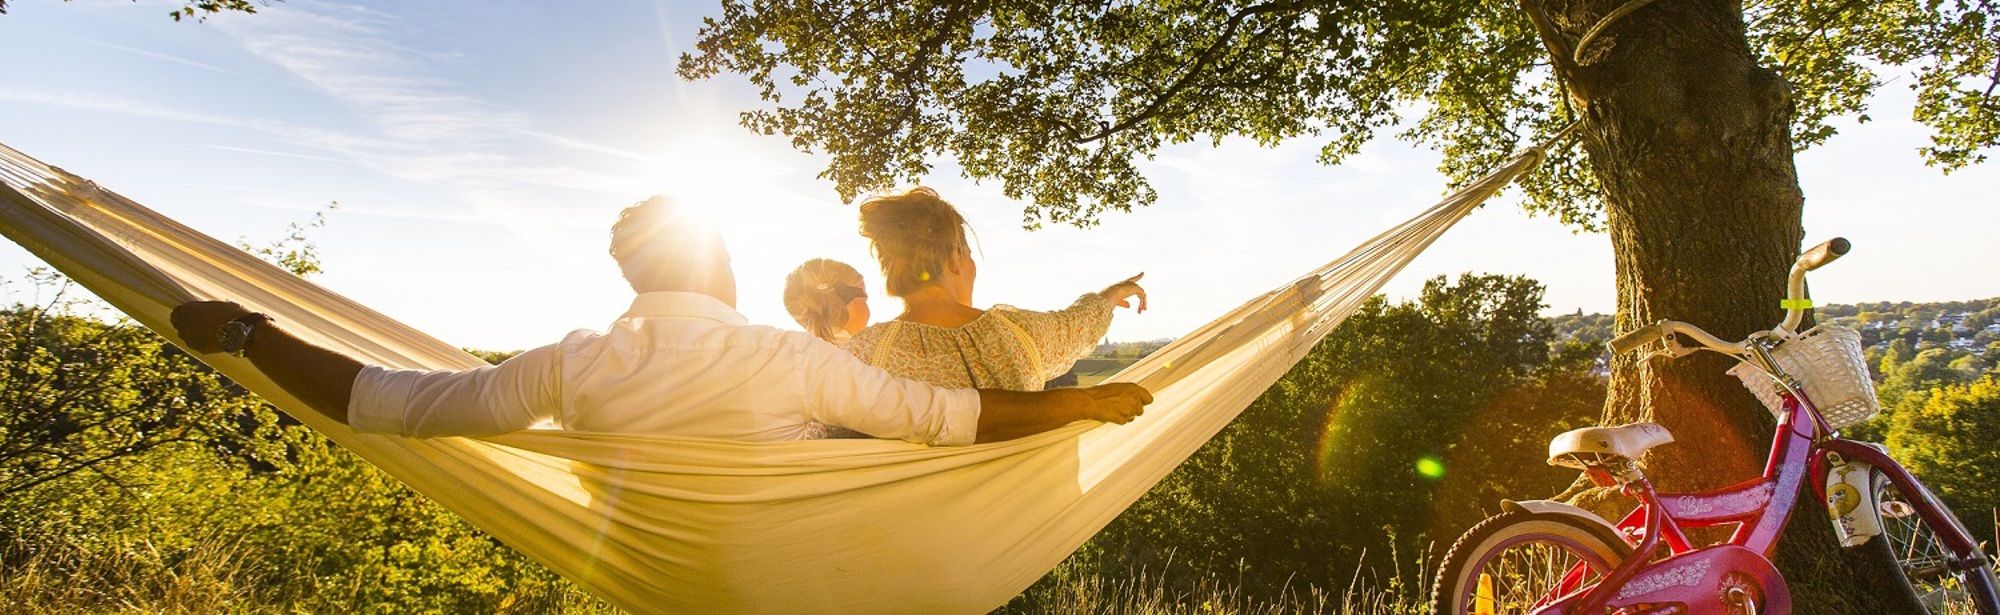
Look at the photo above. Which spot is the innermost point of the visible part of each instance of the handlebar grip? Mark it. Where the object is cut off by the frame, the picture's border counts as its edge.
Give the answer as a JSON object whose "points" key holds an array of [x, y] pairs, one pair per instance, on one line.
{"points": [[1823, 253], [1635, 338]]}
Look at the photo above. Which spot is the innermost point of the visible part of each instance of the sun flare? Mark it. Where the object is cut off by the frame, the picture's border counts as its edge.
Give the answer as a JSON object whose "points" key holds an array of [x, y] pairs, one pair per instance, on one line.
{"points": [[728, 179]]}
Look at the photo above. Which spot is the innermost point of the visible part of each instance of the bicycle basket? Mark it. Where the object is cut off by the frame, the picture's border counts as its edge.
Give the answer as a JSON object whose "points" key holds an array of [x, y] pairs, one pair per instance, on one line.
{"points": [[1826, 360]]}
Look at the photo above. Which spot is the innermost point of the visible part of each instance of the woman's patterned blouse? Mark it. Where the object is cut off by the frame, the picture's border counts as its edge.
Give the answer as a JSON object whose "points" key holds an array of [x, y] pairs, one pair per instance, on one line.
{"points": [[1005, 348]]}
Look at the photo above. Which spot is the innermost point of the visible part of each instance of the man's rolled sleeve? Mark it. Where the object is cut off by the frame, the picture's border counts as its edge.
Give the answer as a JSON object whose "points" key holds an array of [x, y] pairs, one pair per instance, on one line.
{"points": [[512, 396], [843, 391]]}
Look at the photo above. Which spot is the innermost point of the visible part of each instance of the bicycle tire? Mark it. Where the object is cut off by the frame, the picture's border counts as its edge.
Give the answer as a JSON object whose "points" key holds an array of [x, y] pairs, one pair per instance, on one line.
{"points": [[1912, 543], [1523, 556]]}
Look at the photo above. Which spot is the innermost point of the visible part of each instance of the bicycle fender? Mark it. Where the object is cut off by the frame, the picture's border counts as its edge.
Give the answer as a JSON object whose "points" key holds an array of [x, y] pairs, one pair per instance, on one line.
{"points": [[1552, 507]]}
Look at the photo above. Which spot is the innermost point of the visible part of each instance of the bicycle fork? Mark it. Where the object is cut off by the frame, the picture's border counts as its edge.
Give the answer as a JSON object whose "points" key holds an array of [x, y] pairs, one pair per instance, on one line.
{"points": [[1964, 551]]}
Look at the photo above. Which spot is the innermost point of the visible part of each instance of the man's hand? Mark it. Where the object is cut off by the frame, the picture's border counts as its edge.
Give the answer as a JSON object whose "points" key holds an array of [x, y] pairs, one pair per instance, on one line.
{"points": [[199, 322], [1118, 402], [321, 378]]}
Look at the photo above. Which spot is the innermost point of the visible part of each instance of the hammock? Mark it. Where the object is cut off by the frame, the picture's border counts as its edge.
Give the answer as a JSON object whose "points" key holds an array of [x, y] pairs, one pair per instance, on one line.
{"points": [[654, 524]]}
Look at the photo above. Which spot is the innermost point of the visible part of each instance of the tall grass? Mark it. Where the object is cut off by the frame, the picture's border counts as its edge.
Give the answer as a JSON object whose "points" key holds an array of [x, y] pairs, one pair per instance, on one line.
{"points": [[223, 577], [217, 577], [1082, 587], [1144, 595], [64, 578]]}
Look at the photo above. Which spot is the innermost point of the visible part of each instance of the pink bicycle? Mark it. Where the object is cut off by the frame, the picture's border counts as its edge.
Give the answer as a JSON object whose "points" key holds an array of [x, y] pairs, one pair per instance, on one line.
{"points": [[1551, 558]]}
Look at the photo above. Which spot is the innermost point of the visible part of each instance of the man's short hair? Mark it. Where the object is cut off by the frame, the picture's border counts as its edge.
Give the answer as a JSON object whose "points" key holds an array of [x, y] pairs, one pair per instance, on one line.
{"points": [[662, 246]]}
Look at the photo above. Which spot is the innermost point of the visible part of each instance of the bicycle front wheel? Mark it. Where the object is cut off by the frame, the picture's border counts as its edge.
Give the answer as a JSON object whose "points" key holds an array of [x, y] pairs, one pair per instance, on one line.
{"points": [[1516, 562], [1927, 562]]}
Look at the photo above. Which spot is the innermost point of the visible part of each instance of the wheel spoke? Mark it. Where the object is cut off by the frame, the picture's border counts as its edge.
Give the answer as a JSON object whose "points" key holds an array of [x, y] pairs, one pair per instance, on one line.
{"points": [[1927, 563], [1517, 564]]}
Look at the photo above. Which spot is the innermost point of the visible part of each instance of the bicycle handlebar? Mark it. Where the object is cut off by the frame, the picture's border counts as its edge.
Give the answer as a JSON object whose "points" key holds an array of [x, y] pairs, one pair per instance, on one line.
{"points": [[1635, 338], [1822, 254], [1795, 284], [1795, 307], [1659, 330]]}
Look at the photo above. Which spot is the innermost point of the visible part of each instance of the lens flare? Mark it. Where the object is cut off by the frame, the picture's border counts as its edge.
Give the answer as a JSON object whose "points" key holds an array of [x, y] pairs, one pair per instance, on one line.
{"points": [[1430, 467]]}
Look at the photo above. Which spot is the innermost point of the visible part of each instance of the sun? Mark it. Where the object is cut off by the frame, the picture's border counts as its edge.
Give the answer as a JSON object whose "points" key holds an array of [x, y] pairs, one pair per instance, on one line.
{"points": [[766, 201], [731, 179]]}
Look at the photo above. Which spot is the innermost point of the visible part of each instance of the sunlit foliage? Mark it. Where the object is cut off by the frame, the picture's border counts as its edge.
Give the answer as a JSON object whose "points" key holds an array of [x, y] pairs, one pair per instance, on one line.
{"points": [[1060, 100]]}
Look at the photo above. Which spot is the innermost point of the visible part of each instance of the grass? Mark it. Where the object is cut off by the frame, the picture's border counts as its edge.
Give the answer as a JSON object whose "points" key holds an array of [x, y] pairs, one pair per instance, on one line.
{"points": [[1096, 595], [69, 579], [1081, 587], [221, 577], [212, 577], [218, 577]]}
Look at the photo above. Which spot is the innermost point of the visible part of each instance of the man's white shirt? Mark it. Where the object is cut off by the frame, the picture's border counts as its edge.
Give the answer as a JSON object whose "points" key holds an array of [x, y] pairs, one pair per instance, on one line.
{"points": [[676, 364]]}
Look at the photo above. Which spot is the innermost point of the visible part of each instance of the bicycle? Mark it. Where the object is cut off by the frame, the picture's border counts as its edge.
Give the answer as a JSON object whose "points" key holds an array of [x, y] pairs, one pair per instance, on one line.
{"points": [[1551, 558]]}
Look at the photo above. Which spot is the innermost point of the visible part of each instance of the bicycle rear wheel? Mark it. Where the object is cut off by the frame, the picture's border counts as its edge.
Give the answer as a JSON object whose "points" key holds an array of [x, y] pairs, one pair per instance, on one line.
{"points": [[1515, 562], [1927, 562]]}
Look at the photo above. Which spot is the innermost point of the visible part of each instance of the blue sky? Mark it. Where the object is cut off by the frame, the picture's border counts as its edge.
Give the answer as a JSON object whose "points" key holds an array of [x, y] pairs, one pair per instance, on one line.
{"points": [[479, 150]]}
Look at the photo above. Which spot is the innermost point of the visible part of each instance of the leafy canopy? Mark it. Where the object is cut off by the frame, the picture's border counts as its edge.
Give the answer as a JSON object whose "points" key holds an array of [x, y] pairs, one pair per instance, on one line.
{"points": [[1058, 99]]}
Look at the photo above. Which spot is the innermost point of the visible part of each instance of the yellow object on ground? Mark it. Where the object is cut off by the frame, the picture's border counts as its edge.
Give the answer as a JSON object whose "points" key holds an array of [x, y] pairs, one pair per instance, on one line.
{"points": [[1482, 600]]}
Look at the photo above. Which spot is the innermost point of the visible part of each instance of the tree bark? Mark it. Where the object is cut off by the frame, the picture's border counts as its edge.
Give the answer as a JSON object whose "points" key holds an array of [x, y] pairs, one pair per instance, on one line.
{"points": [[1690, 139]]}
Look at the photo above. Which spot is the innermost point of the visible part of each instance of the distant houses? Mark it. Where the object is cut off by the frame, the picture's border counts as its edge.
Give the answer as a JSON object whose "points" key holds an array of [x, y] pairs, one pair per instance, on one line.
{"points": [[1963, 328]]}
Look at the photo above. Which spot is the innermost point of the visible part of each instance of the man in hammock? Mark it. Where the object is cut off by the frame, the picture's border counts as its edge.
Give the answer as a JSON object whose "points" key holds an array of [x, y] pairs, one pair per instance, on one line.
{"points": [[681, 362]]}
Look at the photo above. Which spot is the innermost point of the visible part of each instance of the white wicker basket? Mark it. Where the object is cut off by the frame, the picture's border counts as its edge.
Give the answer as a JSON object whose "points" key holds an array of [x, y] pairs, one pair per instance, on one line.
{"points": [[1827, 362]]}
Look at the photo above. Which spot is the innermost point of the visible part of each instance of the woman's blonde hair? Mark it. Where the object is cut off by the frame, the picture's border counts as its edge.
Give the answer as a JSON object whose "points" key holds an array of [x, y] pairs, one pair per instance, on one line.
{"points": [[818, 292], [915, 235]]}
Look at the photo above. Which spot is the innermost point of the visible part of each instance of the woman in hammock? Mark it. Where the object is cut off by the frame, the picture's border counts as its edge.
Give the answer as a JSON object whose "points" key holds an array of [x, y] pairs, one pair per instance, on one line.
{"points": [[940, 338]]}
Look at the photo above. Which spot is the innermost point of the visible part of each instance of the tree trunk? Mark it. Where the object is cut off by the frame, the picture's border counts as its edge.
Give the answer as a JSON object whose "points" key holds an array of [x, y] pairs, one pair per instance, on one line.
{"points": [[1691, 141]]}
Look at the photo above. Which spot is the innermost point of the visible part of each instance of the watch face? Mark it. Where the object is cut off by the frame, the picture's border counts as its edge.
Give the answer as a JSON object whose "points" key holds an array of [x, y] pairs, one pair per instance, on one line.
{"points": [[234, 336]]}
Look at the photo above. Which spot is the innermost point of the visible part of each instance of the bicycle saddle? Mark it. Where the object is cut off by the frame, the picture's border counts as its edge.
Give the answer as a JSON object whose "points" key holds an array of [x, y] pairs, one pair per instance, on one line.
{"points": [[1597, 444]]}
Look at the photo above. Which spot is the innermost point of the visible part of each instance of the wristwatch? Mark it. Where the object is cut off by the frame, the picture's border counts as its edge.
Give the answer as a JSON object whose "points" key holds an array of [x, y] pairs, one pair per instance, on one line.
{"points": [[235, 334]]}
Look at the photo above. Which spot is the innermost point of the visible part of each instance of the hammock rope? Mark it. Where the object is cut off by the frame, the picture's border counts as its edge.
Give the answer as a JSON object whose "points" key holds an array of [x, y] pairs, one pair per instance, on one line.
{"points": [[655, 524]]}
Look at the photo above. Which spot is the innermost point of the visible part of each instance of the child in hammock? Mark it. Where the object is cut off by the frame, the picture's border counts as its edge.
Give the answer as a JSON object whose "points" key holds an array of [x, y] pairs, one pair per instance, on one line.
{"points": [[828, 298]]}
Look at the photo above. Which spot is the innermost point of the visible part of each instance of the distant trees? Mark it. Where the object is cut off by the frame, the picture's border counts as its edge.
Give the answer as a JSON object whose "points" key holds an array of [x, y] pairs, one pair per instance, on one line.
{"points": [[1947, 435]]}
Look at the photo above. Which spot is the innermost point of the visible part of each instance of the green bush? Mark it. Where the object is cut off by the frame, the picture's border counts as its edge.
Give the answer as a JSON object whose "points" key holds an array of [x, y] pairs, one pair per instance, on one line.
{"points": [[133, 477], [1946, 436], [1397, 432]]}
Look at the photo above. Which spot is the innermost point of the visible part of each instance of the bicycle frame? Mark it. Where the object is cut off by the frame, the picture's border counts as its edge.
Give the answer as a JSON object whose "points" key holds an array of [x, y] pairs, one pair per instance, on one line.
{"points": [[1693, 575]]}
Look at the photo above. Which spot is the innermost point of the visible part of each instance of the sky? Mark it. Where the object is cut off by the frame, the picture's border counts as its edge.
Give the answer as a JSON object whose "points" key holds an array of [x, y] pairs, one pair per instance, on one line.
{"points": [[479, 151]]}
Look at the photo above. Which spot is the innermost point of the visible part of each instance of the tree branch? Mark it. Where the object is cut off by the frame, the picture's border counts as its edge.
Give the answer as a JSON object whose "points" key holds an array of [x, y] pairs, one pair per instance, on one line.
{"points": [[1201, 62], [78, 465], [1995, 83], [1551, 36]]}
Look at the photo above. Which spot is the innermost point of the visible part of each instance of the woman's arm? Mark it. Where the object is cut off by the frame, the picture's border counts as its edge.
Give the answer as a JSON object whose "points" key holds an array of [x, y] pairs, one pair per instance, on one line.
{"points": [[1064, 336]]}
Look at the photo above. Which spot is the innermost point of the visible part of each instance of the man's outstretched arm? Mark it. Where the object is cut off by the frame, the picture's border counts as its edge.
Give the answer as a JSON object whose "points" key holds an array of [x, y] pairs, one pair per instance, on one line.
{"points": [[1005, 415], [321, 378]]}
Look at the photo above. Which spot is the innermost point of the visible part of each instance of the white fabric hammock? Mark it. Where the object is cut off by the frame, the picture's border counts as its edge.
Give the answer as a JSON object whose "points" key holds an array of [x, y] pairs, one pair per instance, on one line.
{"points": [[656, 524]]}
